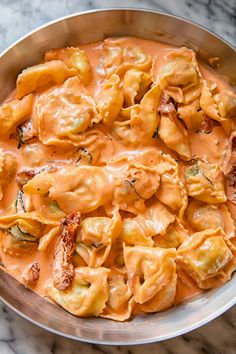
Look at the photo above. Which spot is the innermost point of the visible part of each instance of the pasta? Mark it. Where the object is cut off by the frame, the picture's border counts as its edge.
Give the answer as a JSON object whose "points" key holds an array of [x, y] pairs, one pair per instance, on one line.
{"points": [[117, 178], [66, 112], [40, 76], [205, 183], [140, 229], [220, 107], [110, 99], [13, 113], [206, 256], [73, 58], [150, 272]]}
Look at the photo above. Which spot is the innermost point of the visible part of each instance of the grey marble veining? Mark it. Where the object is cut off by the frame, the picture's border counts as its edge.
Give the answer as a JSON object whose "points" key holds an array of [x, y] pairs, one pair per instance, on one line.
{"points": [[18, 336]]}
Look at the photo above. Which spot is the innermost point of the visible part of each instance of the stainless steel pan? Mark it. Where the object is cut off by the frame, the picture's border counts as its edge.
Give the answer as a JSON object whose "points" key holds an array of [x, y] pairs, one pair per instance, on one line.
{"points": [[84, 28]]}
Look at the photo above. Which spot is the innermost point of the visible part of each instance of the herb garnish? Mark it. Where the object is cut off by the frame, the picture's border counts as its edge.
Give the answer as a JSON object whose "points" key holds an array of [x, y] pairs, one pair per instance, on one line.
{"points": [[20, 235], [20, 135], [131, 183], [84, 153], [194, 170], [19, 202], [155, 134]]}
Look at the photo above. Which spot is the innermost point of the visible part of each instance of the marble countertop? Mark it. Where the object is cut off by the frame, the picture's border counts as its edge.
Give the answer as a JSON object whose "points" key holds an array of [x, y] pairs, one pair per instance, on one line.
{"points": [[18, 335]]}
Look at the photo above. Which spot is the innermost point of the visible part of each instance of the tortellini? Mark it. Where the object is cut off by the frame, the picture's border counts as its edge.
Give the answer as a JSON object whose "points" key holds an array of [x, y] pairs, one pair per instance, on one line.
{"points": [[83, 188], [120, 303], [205, 257], [174, 236], [226, 103], [171, 131], [91, 254], [118, 178], [205, 182], [110, 99], [20, 233], [64, 112], [179, 77], [153, 221], [31, 223], [220, 106], [172, 192], [39, 77], [203, 216], [8, 168], [143, 122], [119, 57], [192, 115], [229, 168], [88, 293], [73, 58], [152, 276], [95, 237], [95, 146], [135, 85], [136, 179], [100, 229], [13, 113], [14, 247]]}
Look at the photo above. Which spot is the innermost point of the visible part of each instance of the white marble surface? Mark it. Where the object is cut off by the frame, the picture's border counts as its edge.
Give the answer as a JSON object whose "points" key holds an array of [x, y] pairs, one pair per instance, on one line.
{"points": [[21, 337]]}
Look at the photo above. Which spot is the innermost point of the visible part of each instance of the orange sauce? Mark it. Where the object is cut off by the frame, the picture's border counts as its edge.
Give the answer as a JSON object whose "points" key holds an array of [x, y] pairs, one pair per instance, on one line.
{"points": [[199, 145]]}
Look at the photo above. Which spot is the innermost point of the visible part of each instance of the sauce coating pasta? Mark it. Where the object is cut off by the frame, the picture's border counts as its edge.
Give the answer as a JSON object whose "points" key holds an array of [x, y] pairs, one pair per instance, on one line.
{"points": [[118, 178]]}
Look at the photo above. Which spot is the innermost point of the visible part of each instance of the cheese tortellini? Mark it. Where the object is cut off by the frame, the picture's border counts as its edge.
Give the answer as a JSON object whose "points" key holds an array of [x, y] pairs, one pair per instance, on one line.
{"points": [[206, 257], [136, 84], [82, 188], [172, 191], [152, 276], [96, 236], [203, 216], [110, 99], [192, 115], [39, 77], [21, 232], [8, 168], [88, 294], [179, 76], [13, 113], [174, 236], [119, 56], [73, 58], [118, 178], [143, 122], [62, 113], [153, 221], [219, 106], [120, 303], [205, 182], [171, 131]]}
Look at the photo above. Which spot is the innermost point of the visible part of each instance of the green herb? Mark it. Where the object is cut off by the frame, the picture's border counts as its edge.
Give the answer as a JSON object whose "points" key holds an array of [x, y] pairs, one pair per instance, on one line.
{"points": [[97, 244], [155, 134], [193, 170], [132, 185], [207, 178], [20, 235], [202, 131], [20, 131], [19, 203], [84, 153]]}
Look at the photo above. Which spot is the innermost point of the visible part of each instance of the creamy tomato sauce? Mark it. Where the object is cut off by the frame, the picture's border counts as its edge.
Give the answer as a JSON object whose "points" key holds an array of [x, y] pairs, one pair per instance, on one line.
{"points": [[160, 160]]}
